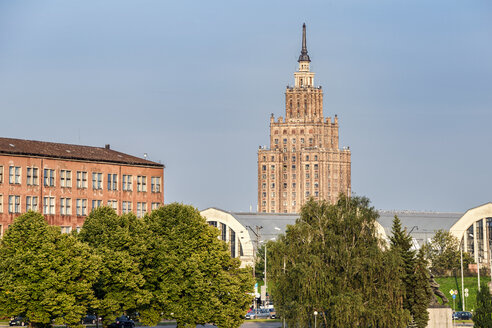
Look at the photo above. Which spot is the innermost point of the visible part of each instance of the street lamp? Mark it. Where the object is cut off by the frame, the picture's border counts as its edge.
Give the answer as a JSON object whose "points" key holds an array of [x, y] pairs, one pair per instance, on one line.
{"points": [[315, 314]]}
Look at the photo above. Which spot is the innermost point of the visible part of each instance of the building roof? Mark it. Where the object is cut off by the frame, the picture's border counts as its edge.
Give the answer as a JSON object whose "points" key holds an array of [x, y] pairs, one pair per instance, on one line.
{"points": [[34, 148], [422, 225]]}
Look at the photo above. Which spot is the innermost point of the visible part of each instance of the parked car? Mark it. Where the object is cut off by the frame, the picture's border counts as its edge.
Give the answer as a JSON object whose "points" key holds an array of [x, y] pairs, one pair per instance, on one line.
{"points": [[258, 314], [462, 315], [89, 319], [18, 321], [273, 313], [122, 322]]}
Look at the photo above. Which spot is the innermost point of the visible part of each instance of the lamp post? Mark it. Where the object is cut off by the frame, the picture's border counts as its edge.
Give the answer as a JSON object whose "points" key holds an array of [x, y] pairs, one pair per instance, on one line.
{"points": [[315, 315], [462, 281]]}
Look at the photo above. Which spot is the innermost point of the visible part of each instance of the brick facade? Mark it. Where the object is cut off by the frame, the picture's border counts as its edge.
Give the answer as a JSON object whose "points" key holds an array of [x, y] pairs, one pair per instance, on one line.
{"points": [[304, 159], [65, 188]]}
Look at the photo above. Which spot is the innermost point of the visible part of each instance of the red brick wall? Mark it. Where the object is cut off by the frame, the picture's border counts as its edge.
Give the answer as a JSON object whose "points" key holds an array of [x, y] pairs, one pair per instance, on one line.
{"points": [[73, 192]]}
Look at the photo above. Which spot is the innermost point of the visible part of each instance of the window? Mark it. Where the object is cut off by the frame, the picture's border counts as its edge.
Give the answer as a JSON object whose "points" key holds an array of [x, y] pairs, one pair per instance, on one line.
{"points": [[316, 193], [66, 178], [212, 223], [96, 203], [14, 175], [1, 203], [273, 185], [302, 140], [126, 207], [284, 141], [263, 185], [14, 204], [141, 183], [273, 158], [1, 173], [315, 157], [294, 194], [155, 185], [307, 176], [293, 140], [293, 159], [294, 176], [272, 176], [49, 178], [113, 204], [49, 205], [307, 166], [155, 206], [232, 238], [112, 181], [308, 184], [273, 194], [263, 176], [276, 141], [32, 176], [81, 207], [66, 229], [31, 203], [293, 185], [310, 141], [307, 193], [223, 230], [263, 194], [96, 180], [263, 167], [141, 209], [81, 180], [65, 206], [272, 167], [315, 166], [127, 182]]}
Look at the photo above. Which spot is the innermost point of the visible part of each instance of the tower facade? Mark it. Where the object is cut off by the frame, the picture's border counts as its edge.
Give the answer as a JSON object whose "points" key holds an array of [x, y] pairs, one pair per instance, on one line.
{"points": [[304, 159]]}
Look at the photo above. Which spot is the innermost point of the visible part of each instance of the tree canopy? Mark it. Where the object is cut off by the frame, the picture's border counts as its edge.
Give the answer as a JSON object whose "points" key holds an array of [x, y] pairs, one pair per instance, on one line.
{"points": [[171, 265], [331, 261], [45, 275], [443, 252], [204, 283]]}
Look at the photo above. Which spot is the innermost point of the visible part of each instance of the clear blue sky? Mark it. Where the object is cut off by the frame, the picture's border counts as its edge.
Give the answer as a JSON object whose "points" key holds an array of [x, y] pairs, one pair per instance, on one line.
{"points": [[193, 83]]}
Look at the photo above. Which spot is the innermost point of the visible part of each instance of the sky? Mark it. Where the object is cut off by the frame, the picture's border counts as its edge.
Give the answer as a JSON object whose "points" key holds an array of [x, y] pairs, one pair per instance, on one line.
{"points": [[193, 83]]}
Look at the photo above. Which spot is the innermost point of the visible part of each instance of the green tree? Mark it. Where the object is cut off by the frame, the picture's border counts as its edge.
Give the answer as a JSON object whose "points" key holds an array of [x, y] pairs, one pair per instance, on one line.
{"points": [[331, 261], [121, 243], [443, 252], [422, 292], [45, 275], [401, 241], [482, 318], [202, 281]]}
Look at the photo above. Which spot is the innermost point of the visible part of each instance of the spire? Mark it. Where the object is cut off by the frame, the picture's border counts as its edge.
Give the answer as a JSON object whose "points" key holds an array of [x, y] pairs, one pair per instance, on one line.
{"points": [[304, 56]]}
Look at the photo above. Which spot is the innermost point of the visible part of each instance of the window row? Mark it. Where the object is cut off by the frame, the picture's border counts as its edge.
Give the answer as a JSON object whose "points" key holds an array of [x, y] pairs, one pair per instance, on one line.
{"points": [[82, 178], [48, 205]]}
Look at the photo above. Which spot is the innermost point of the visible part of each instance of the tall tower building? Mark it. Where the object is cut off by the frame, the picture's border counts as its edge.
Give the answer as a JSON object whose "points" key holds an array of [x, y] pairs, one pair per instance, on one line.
{"points": [[303, 160]]}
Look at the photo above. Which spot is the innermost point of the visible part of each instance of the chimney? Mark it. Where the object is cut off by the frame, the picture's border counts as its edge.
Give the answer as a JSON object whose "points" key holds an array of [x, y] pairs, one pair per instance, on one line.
{"points": [[107, 146]]}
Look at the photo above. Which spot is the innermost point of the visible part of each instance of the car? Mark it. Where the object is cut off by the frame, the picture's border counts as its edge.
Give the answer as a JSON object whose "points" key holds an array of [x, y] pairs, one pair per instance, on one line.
{"points": [[18, 321], [122, 322], [89, 319], [273, 313], [258, 314], [462, 315]]}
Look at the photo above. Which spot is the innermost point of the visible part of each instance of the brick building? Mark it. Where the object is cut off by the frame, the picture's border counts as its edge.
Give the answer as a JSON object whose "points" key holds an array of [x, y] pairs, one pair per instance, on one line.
{"points": [[65, 182], [304, 159]]}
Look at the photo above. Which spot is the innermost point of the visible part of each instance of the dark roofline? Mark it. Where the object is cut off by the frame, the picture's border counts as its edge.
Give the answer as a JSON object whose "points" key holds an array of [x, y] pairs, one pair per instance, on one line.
{"points": [[105, 155]]}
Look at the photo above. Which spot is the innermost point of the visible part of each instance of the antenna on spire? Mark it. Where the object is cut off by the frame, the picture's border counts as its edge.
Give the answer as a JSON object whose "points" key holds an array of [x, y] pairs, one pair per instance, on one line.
{"points": [[304, 53]]}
